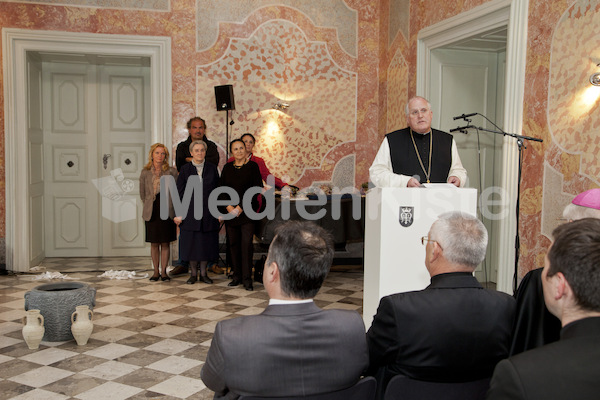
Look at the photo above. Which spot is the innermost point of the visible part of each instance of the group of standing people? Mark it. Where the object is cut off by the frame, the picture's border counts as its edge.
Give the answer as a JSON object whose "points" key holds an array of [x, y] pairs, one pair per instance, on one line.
{"points": [[197, 159]]}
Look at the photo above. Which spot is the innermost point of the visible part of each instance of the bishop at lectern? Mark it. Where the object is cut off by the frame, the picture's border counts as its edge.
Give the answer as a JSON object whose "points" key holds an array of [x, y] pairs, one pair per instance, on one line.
{"points": [[417, 154]]}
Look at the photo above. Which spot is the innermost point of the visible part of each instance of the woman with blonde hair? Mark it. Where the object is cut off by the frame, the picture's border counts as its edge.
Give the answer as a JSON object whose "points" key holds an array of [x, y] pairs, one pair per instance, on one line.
{"points": [[159, 233]]}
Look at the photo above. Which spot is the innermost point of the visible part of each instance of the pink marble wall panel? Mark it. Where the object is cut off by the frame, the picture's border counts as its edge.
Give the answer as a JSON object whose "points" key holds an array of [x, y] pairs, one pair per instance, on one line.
{"points": [[277, 64], [334, 14], [397, 93], [573, 118], [559, 107], [157, 5]]}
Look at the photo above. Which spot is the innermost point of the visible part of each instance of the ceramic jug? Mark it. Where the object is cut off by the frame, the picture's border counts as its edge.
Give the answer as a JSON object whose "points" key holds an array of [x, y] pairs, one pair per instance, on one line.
{"points": [[33, 328], [81, 324]]}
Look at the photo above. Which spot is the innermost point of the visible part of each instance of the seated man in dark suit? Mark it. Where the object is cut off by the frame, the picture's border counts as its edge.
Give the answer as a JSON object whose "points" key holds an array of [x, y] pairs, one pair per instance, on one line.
{"points": [[569, 368], [534, 325], [452, 331], [293, 348]]}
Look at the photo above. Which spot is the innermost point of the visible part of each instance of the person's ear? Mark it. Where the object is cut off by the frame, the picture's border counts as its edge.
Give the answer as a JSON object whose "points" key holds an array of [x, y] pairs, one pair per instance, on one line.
{"points": [[561, 286], [436, 251], [271, 272]]}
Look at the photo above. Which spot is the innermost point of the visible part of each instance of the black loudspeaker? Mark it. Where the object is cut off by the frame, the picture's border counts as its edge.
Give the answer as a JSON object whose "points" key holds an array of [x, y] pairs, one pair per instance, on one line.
{"points": [[224, 97]]}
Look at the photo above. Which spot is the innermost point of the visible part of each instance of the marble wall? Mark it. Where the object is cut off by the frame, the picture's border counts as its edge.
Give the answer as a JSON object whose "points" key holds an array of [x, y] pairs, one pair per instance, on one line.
{"points": [[347, 69], [278, 62], [560, 106], [318, 57], [321, 57]]}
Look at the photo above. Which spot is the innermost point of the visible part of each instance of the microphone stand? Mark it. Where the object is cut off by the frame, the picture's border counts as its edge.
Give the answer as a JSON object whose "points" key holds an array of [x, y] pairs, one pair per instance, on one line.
{"points": [[226, 134], [521, 145]]}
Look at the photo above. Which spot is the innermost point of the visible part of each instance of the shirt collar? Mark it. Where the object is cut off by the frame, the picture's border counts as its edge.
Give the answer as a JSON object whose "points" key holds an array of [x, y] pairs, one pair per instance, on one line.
{"points": [[273, 302]]}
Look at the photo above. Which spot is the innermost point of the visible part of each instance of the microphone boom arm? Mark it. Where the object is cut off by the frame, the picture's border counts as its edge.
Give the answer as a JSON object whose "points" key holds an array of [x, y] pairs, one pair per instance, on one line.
{"points": [[514, 135]]}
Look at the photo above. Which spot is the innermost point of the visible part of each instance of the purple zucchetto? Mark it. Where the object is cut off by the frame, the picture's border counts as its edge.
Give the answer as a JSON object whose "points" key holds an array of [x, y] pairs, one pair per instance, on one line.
{"points": [[589, 198]]}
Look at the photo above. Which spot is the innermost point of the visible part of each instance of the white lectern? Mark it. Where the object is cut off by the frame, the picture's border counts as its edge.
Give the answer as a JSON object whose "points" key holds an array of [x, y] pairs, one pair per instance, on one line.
{"points": [[395, 221]]}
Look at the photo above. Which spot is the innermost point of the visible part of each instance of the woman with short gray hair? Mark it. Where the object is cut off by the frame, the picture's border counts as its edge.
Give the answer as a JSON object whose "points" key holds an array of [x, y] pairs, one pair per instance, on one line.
{"points": [[199, 238]]}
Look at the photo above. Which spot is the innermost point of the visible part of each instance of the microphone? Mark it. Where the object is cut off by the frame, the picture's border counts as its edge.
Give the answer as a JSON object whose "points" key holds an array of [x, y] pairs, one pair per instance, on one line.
{"points": [[465, 116], [462, 128]]}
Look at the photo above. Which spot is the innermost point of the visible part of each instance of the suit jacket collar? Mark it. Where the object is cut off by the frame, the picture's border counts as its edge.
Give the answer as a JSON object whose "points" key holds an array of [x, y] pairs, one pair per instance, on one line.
{"points": [[291, 309], [583, 327], [453, 280]]}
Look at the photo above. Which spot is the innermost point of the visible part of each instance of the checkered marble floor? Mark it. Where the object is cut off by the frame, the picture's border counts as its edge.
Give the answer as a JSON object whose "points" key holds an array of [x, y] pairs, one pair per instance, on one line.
{"points": [[150, 339]]}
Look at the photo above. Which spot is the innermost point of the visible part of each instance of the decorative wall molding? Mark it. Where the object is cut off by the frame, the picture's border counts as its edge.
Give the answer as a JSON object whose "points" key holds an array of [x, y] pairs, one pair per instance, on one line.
{"points": [[333, 13], [147, 5]]}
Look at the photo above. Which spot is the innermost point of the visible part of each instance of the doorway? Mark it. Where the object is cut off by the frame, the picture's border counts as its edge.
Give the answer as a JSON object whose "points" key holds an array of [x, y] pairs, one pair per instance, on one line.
{"points": [[443, 45], [25, 198], [469, 77], [95, 137]]}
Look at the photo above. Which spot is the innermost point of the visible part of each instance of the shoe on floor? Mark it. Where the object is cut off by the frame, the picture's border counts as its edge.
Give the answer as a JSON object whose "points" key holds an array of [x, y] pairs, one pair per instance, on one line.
{"points": [[249, 288], [234, 283], [191, 280], [205, 279], [178, 270]]}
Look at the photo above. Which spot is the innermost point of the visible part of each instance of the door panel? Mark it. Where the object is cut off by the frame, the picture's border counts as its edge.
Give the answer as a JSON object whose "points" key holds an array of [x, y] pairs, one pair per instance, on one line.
{"points": [[36, 162], [71, 202], [70, 228], [464, 82], [125, 132]]}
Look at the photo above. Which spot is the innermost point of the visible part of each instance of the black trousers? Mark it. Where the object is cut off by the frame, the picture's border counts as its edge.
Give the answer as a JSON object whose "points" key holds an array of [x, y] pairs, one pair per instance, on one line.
{"points": [[241, 246]]}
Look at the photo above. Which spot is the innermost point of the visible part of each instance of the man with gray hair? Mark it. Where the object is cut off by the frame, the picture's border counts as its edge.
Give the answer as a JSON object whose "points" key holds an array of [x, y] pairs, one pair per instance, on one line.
{"points": [[452, 331], [418, 153]]}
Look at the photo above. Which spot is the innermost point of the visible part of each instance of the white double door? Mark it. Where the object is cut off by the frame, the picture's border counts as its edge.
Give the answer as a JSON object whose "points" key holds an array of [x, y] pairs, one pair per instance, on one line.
{"points": [[96, 135]]}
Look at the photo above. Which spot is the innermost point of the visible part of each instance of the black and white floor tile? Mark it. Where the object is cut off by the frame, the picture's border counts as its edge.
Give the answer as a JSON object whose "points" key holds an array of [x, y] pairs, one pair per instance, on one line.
{"points": [[150, 338]]}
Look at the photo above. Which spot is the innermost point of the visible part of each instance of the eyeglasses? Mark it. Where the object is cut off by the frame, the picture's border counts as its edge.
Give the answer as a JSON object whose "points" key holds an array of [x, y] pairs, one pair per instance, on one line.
{"points": [[417, 112], [426, 239]]}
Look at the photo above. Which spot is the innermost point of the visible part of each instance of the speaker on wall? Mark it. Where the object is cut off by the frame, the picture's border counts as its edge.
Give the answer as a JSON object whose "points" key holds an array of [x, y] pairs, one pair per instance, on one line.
{"points": [[224, 97]]}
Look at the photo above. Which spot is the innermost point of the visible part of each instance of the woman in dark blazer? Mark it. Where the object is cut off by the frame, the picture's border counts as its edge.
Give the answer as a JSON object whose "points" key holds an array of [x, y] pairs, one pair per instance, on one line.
{"points": [[240, 175], [199, 238], [159, 233]]}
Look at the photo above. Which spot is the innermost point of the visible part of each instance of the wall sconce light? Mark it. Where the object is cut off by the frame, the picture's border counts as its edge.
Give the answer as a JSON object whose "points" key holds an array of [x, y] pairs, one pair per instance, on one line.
{"points": [[595, 78], [280, 106]]}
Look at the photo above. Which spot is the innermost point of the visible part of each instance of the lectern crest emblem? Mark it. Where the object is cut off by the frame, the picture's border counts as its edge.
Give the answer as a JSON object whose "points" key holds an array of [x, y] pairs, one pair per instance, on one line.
{"points": [[406, 216]]}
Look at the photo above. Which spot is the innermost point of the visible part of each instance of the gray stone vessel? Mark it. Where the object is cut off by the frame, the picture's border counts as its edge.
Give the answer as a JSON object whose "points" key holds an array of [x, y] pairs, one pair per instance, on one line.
{"points": [[56, 302]]}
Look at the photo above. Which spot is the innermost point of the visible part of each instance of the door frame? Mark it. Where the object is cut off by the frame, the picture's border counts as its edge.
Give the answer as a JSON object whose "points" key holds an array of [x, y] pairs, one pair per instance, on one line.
{"points": [[16, 44], [496, 13]]}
